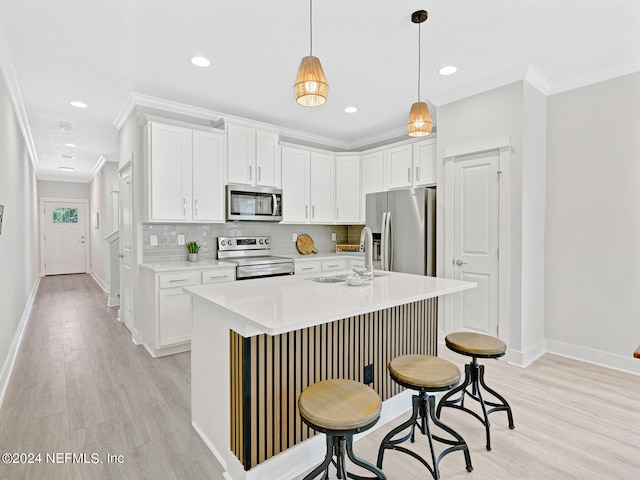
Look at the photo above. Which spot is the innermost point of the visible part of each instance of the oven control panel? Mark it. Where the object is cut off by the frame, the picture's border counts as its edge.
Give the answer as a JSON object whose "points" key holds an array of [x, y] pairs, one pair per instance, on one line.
{"points": [[244, 243]]}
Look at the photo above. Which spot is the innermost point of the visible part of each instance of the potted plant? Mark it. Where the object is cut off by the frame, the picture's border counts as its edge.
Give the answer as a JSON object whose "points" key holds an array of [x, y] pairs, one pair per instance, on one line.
{"points": [[193, 248]]}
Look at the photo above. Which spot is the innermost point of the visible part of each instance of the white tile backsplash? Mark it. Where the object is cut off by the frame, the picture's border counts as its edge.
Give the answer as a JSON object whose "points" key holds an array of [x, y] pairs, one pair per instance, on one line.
{"points": [[207, 234]]}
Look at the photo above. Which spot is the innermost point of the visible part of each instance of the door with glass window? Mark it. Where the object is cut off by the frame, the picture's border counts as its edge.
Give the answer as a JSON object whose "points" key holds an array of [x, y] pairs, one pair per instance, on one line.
{"points": [[65, 242]]}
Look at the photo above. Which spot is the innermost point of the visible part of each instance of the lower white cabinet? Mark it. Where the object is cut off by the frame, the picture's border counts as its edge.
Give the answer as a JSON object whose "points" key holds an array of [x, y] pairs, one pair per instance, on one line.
{"points": [[303, 267], [167, 308], [335, 265]]}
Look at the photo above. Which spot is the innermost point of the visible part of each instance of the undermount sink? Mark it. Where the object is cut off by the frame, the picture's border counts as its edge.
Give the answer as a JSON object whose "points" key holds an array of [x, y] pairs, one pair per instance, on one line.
{"points": [[326, 279], [375, 274]]}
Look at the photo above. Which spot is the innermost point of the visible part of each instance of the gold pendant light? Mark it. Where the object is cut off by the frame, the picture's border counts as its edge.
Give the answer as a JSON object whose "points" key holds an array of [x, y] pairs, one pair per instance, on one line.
{"points": [[311, 87], [420, 123]]}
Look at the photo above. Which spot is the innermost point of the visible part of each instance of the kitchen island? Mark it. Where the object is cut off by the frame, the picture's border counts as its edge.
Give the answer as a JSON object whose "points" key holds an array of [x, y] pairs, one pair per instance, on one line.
{"points": [[257, 344]]}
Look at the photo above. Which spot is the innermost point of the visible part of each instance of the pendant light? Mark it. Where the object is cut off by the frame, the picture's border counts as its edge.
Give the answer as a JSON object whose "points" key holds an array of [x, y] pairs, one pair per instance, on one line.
{"points": [[311, 88], [420, 123]]}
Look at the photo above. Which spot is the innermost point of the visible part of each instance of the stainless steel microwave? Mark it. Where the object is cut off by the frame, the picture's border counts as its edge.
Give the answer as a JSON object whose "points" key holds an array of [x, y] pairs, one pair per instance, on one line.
{"points": [[245, 202]]}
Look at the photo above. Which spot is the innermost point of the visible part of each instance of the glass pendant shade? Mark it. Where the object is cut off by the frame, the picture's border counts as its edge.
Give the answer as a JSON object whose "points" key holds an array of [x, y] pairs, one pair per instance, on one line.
{"points": [[311, 87], [419, 124]]}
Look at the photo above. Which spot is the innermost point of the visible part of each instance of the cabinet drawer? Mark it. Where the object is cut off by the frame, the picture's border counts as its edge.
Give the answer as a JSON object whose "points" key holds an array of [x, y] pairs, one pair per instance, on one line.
{"points": [[179, 279], [334, 265], [218, 275], [302, 268], [359, 264]]}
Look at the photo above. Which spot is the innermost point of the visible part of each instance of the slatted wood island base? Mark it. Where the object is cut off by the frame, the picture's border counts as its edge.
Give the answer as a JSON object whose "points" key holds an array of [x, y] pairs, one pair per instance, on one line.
{"points": [[256, 347]]}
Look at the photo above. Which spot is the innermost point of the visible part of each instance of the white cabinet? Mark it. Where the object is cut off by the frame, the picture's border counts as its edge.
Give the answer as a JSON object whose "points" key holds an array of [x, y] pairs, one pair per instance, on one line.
{"points": [[167, 308], [184, 178], [411, 165], [303, 267], [372, 178], [424, 161], [322, 188], [399, 166], [348, 189], [308, 186], [253, 156], [335, 264]]}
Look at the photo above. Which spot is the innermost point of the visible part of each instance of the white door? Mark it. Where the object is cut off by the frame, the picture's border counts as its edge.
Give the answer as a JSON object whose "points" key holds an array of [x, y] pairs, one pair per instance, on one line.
{"points": [[208, 177], [476, 235], [65, 238], [126, 251]]}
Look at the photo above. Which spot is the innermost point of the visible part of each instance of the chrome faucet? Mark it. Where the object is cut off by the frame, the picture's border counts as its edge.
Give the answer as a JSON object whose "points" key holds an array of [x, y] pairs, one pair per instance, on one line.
{"points": [[366, 240]]}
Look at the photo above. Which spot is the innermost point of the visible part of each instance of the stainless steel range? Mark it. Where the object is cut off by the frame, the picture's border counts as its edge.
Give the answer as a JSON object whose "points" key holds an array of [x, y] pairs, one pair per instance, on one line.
{"points": [[253, 258]]}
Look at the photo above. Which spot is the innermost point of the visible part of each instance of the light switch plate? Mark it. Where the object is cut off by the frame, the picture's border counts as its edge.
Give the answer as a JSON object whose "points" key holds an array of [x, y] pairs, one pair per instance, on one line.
{"points": [[180, 239], [295, 237], [153, 240], [333, 237]]}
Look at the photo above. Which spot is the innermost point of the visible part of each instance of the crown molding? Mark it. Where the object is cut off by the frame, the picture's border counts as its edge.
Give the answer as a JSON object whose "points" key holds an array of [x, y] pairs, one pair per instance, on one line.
{"points": [[99, 164], [537, 79], [9, 75], [64, 178]]}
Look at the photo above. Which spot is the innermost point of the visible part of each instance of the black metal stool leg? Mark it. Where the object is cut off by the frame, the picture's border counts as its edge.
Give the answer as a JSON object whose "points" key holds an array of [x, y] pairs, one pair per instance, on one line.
{"points": [[323, 467], [458, 444], [504, 405], [362, 463]]}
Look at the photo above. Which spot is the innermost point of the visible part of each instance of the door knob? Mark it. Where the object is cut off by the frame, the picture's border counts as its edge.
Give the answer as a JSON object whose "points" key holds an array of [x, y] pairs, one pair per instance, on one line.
{"points": [[460, 263], [121, 256]]}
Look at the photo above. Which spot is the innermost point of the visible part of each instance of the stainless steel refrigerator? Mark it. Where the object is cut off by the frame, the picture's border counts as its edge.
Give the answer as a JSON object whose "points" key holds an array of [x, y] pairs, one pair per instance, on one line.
{"points": [[403, 223]]}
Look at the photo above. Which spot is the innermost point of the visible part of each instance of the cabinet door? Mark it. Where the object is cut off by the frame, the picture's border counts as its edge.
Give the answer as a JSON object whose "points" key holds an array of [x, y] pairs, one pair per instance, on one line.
{"points": [[295, 181], [208, 177], [241, 154], [372, 178], [174, 312], [169, 176], [399, 167], [348, 189], [322, 188], [303, 267], [424, 159], [267, 159]]}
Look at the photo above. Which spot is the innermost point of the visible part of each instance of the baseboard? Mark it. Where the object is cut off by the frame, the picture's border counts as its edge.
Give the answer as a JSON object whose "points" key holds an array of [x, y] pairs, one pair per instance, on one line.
{"points": [[99, 281], [10, 361], [524, 358], [626, 364]]}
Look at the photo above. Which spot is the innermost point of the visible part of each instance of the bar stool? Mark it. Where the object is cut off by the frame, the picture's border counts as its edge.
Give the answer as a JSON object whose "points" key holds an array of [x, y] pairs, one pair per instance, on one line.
{"points": [[476, 345], [340, 408], [425, 374]]}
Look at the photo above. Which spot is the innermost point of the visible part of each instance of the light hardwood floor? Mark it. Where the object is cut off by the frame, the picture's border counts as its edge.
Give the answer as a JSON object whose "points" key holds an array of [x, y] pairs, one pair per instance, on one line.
{"points": [[80, 385]]}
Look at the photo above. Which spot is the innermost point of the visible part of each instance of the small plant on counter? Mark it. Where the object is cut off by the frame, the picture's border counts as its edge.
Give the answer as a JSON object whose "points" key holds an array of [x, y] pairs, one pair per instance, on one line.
{"points": [[193, 247]]}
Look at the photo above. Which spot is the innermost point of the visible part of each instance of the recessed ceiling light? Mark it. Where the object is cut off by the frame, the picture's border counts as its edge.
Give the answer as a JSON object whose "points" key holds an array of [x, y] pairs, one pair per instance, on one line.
{"points": [[350, 109], [66, 169], [79, 104], [448, 70], [71, 145], [67, 156], [200, 61], [65, 126]]}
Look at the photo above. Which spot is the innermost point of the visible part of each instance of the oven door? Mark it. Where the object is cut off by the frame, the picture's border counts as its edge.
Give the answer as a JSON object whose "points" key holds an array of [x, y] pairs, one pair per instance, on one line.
{"points": [[254, 203], [264, 270]]}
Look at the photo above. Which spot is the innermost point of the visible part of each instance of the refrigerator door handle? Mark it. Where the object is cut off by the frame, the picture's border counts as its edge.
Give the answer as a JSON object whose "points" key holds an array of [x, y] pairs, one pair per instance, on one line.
{"points": [[383, 243], [389, 233]]}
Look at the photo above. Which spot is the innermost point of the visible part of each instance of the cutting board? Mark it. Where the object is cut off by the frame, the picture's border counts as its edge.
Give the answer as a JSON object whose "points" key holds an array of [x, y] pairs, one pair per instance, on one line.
{"points": [[304, 244]]}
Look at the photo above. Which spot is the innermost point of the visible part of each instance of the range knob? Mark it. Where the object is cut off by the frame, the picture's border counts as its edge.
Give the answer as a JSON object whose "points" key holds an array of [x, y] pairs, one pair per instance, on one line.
{"points": [[230, 242], [267, 241], [223, 243], [261, 241]]}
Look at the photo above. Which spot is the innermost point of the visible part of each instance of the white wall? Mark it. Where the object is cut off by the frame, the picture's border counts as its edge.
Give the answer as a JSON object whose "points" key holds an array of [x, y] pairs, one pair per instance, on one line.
{"points": [[75, 190], [495, 113], [19, 246], [100, 202], [593, 223]]}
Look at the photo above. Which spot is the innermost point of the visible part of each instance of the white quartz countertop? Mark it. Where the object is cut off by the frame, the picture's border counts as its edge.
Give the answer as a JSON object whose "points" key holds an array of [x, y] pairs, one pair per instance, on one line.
{"points": [[277, 305], [181, 265], [325, 256]]}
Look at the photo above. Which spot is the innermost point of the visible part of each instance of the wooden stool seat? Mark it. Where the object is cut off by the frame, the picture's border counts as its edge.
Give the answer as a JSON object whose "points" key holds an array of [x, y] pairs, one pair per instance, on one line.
{"points": [[424, 371], [426, 374], [339, 405], [475, 344], [340, 408]]}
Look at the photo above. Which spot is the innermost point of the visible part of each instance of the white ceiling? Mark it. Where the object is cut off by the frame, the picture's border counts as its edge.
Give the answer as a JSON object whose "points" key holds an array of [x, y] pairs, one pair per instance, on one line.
{"points": [[53, 52]]}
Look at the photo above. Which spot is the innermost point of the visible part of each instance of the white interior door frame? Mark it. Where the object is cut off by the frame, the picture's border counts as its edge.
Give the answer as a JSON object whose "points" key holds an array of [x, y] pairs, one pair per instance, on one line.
{"points": [[502, 145], [85, 202]]}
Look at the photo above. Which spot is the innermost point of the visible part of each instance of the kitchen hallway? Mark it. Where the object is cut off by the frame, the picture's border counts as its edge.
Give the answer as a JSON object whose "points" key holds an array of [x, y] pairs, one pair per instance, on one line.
{"points": [[80, 386]]}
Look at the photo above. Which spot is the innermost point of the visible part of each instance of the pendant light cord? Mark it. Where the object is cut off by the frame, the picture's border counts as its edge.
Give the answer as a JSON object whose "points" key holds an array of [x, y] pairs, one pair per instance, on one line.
{"points": [[419, 55], [310, 27]]}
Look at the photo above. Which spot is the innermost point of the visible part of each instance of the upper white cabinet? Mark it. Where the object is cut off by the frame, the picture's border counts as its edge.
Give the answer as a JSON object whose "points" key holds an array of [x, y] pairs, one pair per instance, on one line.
{"points": [[348, 189], [372, 177], [410, 165], [308, 185], [253, 156], [424, 161], [184, 176]]}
